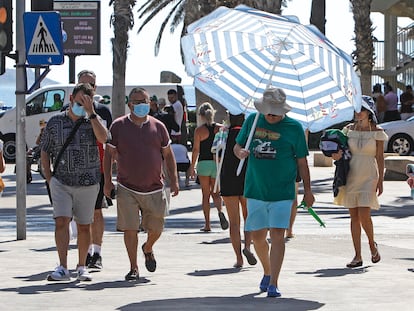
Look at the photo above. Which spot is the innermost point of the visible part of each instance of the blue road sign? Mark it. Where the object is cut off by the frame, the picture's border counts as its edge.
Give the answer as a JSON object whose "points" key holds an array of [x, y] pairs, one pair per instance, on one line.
{"points": [[43, 37]]}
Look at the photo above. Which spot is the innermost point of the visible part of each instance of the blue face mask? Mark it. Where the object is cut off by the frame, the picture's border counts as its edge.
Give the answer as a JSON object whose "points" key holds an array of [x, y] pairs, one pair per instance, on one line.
{"points": [[141, 110], [78, 110]]}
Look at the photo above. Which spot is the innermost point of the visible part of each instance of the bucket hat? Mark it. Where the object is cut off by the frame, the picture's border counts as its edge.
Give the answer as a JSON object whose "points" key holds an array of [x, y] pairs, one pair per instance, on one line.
{"points": [[272, 102]]}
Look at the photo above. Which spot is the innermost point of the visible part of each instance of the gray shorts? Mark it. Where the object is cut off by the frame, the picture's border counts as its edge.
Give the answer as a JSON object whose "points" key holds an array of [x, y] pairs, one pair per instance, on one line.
{"points": [[130, 204], [76, 202]]}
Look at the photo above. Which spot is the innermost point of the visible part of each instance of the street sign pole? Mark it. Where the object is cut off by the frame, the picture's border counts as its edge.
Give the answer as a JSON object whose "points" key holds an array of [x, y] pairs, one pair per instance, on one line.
{"points": [[20, 124]]}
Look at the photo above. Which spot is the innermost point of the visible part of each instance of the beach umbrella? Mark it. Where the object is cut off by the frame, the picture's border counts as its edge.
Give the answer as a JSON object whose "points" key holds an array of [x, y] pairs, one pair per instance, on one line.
{"points": [[234, 54]]}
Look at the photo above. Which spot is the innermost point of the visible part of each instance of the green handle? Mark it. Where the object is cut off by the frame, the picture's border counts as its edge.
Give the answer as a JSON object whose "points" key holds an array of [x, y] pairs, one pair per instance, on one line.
{"points": [[312, 212]]}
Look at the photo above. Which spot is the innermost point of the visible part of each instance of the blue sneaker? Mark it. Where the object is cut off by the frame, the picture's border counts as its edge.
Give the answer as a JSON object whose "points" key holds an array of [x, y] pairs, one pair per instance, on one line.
{"points": [[273, 291], [264, 283]]}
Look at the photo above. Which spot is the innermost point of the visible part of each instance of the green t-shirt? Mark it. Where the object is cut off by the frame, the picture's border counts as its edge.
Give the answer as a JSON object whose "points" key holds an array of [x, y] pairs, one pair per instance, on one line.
{"points": [[272, 167]]}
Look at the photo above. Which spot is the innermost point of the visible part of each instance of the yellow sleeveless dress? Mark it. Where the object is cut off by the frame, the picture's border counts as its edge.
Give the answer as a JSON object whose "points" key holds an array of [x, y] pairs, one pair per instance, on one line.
{"points": [[362, 179]]}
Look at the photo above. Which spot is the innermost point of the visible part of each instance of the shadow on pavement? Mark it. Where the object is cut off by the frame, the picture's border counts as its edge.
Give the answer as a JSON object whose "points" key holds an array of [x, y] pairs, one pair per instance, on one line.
{"points": [[248, 302], [335, 272], [64, 286], [215, 272]]}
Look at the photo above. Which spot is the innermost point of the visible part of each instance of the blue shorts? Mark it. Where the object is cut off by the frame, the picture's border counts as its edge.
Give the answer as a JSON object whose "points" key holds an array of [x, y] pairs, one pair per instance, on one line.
{"points": [[207, 168], [266, 215]]}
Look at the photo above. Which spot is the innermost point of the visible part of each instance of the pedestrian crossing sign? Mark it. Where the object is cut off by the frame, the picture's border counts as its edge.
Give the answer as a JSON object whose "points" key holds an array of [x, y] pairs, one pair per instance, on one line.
{"points": [[43, 38]]}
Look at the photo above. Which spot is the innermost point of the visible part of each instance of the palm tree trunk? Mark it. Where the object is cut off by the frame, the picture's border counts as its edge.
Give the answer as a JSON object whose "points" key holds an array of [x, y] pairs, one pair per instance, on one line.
{"points": [[318, 13], [271, 6], [364, 53], [122, 21]]}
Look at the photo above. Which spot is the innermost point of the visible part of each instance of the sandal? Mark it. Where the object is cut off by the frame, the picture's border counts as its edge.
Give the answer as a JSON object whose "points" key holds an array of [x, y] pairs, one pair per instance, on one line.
{"points": [[223, 221], [354, 264], [376, 257], [250, 257], [132, 275], [150, 262]]}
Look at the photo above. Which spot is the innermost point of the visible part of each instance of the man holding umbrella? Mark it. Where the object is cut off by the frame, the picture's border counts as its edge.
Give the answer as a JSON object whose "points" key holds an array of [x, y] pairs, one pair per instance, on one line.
{"points": [[277, 150]]}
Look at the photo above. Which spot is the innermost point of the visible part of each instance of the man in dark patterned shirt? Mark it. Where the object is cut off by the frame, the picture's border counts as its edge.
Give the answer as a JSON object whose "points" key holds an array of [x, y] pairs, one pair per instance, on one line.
{"points": [[75, 183]]}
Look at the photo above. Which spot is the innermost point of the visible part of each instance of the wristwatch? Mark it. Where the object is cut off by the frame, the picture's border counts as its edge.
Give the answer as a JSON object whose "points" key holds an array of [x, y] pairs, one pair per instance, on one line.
{"points": [[92, 116]]}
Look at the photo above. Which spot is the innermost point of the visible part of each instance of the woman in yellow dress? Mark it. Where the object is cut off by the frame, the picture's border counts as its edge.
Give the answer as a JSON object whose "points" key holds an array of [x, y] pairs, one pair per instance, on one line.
{"points": [[364, 180]]}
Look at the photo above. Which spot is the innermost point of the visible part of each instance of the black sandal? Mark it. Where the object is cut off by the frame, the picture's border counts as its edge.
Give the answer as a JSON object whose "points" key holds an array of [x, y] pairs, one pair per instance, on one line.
{"points": [[354, 264], [250, 257], [376, 257], [150, 262]]}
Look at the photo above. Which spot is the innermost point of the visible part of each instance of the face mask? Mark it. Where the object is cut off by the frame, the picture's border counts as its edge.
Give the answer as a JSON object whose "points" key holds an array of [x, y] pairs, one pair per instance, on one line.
{"points": [[141, 110], [78, 110]]}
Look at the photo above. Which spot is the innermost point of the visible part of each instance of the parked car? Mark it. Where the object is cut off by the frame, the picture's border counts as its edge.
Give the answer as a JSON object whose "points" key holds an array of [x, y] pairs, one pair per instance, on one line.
{"points": [[400, 136]]}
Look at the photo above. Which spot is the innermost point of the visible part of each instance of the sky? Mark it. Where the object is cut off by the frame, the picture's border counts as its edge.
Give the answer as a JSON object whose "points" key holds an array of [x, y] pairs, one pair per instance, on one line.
{"points": [[144, 68]]}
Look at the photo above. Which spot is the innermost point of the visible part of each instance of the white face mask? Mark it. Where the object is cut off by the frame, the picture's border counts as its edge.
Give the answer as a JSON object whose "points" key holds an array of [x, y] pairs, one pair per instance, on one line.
{"points": [[78, 110]]}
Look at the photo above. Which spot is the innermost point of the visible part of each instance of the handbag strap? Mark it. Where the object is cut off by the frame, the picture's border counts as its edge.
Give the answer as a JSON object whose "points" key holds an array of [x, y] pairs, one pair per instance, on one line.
{"points": [[66, 144]]}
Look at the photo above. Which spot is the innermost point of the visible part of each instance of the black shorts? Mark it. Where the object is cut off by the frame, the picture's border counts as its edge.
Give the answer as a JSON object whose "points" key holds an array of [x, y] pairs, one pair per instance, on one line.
{"points": [[99, 199], [183, 167]]}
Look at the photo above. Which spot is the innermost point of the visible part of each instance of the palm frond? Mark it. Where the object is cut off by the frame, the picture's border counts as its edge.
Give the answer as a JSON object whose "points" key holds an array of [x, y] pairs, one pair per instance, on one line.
{"points": [[178, 18], [151, 15], [163, 25]]}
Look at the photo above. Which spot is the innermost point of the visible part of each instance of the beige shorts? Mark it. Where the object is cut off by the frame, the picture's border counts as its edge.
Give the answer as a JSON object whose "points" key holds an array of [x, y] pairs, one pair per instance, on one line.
{"points": [[76, 202], [130, 205]]}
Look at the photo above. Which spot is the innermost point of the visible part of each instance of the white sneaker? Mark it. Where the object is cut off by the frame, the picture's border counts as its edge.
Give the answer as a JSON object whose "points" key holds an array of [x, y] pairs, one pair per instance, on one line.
{"points": [[83, 274], [60, 274]]}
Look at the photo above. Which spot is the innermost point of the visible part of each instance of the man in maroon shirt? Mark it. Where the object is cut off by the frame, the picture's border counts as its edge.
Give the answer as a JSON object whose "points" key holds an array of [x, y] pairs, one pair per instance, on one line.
{"points": [[140, 144]]}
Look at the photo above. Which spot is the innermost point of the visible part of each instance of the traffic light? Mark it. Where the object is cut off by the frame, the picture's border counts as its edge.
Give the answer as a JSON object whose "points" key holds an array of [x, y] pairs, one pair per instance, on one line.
{"points": [[6, 26]]}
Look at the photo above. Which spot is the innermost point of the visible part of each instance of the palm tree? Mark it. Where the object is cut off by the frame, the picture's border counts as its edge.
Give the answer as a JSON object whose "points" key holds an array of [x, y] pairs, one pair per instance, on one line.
{"points": [[318, 12], [122, 20], [364, 54]]}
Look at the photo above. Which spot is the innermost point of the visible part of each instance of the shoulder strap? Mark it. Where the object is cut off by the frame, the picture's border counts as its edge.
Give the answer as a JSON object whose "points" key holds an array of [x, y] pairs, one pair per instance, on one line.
{"points": [[66, 144]]}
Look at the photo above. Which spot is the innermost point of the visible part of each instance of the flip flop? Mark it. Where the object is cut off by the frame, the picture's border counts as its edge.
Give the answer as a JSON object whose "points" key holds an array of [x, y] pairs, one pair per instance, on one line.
{"points": [[354, 264], [376, 257], [250, 257], [223, 221]]}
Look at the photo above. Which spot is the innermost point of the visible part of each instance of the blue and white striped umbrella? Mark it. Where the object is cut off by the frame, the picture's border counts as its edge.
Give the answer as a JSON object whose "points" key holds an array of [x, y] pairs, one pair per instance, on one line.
{"points": [[234, 54]]}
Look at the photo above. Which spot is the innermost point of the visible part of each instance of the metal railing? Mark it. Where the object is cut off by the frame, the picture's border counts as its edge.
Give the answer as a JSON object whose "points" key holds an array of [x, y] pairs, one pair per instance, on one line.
{"points": [[404, 59], [405, 49]]}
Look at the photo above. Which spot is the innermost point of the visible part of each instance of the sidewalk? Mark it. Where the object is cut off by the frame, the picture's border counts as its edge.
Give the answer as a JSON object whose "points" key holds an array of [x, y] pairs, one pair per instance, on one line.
{"points": [[194, 269]]}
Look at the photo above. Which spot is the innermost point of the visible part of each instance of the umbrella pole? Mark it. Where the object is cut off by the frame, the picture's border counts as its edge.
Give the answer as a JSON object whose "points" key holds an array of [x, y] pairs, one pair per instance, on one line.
{"points": [[312, 213], [249, 140]]}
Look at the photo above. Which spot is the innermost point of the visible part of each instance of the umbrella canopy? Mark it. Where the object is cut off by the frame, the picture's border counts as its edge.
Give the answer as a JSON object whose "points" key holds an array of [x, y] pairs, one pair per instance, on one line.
{"points": [[234, 54]]}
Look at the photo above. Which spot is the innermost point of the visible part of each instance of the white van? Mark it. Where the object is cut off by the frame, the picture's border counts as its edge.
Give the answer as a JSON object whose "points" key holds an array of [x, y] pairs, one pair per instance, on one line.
{"points": [[40, 106]]}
